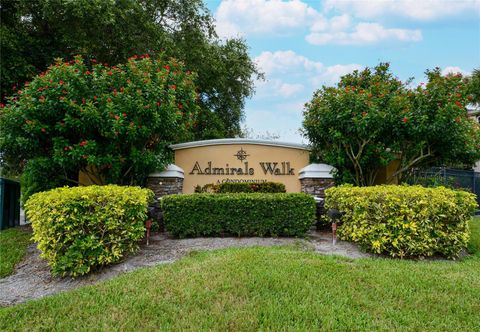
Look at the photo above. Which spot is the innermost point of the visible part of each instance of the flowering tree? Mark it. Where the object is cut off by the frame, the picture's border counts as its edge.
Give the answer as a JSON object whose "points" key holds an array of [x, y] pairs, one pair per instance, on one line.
{"points": [[34, 33], [371, 118], [112, 122]]}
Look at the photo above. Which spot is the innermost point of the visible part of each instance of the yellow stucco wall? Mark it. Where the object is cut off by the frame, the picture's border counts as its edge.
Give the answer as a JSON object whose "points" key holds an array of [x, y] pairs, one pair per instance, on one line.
{"points": [[213, 158]]}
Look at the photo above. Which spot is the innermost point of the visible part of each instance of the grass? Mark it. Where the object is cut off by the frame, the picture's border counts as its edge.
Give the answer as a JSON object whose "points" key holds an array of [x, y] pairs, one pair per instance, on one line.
{"points": [[474, 245], [276, 288], [13, 247]]}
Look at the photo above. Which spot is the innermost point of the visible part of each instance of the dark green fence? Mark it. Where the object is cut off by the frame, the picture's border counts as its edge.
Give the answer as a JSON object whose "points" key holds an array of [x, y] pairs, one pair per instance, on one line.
{"points": [[9, 203], [449, 177]]}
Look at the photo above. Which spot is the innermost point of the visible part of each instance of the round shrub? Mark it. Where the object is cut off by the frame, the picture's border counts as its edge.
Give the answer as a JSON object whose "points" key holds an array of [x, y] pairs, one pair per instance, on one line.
{"points": [[82, 228], [404, 220]]}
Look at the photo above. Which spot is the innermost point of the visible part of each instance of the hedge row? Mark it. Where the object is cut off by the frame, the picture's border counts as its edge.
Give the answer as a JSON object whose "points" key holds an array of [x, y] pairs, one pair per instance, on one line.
{"points": [[404, 220], [241, 187], [242, 214], [81, 228]]}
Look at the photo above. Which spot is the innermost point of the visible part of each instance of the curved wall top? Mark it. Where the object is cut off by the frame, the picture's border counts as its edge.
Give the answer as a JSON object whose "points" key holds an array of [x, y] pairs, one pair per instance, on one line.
{"points": [[240, 160]]}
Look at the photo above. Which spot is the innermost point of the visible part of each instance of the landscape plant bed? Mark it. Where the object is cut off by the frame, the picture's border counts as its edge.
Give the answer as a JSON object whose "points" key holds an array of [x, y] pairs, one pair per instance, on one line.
{"points": [[277, 288]]}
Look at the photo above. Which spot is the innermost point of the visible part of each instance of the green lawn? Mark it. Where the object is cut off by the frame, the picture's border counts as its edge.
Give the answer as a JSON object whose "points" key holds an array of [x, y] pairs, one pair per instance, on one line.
{"points": [[13, 247], [278, 288], [474, 245]]}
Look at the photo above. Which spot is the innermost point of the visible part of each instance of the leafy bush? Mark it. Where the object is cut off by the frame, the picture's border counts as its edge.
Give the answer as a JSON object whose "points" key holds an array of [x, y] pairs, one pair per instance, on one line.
{"points": [[243, 214], [81, 228], [41, 174], [112, 122], [404, 220], [242, 187], [371, 118]]}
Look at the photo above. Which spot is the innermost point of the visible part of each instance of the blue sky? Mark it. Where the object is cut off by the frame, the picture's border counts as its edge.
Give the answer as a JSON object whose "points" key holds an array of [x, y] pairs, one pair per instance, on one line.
{"points": [[302, 45]]}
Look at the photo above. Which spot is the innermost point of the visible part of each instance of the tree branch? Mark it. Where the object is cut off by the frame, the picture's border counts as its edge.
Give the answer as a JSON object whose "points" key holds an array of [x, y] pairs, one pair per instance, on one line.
{"points": [[413, 162]]}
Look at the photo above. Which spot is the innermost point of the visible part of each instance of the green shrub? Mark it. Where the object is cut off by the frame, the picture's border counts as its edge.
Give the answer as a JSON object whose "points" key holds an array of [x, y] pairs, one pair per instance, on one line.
{"points": [[81, 228], [241, 187], [252, 214], [404, 220]]}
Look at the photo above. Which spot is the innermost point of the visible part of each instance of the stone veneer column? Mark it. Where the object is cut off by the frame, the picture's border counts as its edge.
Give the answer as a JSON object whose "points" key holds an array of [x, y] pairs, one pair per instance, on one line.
{"points": [[316, 178], [168, 182]]}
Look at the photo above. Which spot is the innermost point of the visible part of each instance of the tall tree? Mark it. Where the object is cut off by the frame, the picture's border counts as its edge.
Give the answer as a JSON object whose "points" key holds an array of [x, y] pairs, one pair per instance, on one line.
{"points": [[34, 33], [113, 123], [371, 118], [474, 87]]}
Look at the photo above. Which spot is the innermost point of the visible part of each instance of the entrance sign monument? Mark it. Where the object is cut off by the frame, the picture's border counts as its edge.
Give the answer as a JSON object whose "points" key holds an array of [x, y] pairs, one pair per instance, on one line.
{"points": [[240, 160]]}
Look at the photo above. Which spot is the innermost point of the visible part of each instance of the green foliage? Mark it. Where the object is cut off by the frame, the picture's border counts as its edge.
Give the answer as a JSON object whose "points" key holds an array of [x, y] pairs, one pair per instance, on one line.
{"points": [[371, 118], [278, 288], [474, 244], [34, 33], [111, 122], [404, 220], [13, 247], [242, 214], [41, 174], [428, 178], [474, 86], [241, 187], [82, 228]]}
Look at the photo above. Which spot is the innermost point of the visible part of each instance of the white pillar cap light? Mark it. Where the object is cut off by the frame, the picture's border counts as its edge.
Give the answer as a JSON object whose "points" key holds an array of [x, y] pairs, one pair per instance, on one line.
{"points": [[172, 171], [316, 171]]}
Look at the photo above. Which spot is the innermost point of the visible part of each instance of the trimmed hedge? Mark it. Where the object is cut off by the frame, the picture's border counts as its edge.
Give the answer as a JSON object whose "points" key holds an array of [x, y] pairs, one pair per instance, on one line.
{"points": [[242, 187], [81, 228], [252, 214], [404, 220]]}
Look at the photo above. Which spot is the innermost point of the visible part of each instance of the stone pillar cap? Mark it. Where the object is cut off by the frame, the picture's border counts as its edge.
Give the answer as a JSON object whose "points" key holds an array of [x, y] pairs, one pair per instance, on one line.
{"points": [[316, 171], [172, 171]]}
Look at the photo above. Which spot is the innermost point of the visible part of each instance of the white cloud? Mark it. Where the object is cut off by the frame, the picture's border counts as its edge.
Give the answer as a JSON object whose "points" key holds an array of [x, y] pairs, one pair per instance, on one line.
{"points": [[285, 61], [276, 17], [287, 89], [454, 70], [290, 64], [291, 79], [332, 74], [277, 87], [238, 18], [364, 33], [336, 23], [422, 10]]}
